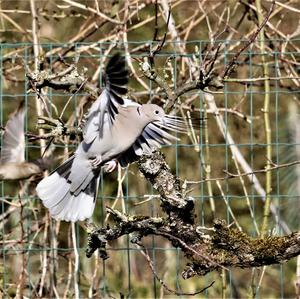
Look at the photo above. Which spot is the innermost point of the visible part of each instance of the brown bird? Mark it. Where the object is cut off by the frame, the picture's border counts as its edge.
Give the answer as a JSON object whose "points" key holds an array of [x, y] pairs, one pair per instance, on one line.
{"points": [[12, 162]]}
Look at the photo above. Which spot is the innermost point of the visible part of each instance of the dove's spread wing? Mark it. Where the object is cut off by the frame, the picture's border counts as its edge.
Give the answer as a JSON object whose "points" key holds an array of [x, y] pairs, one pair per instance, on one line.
{"points": [[13, 146], [155, 135], [106, 106]]}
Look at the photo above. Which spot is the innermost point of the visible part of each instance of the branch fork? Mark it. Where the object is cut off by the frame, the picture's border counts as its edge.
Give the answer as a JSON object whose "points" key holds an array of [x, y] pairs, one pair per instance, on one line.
{"points": [[206, 249]]}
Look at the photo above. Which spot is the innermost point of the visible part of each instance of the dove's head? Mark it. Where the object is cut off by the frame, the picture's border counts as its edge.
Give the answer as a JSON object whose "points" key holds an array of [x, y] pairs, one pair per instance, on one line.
{"points": [[153, 112]]}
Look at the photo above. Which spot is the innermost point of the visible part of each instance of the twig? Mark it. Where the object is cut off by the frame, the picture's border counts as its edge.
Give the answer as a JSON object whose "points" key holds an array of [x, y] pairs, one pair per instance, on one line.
{"points": [[232, 175], [230, 66], [36, 51], [297, 280], [44, 257], [120, 194], [267, 125], [228, 207], [207, 166], [76, 266], [70, 268], [161, 44], [241, 160], [150, 263], [71, 97], [96, 12]]}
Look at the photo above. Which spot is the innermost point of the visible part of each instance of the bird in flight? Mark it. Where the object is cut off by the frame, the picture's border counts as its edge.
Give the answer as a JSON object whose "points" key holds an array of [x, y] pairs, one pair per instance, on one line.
{"points": [[13, 165], [117, 130]]}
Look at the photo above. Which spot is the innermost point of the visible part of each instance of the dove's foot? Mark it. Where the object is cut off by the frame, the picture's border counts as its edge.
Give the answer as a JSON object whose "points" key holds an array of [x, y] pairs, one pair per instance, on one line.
{"points": [[110, 166], [96, 161]]}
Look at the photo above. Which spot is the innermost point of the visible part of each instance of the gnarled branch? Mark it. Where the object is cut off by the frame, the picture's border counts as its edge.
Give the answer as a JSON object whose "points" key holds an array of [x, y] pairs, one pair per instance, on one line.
{"points": [[206, 249]]}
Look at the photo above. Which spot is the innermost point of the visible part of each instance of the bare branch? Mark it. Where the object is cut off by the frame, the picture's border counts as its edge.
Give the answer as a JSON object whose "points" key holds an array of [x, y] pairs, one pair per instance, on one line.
{"points": [[230, 66]]}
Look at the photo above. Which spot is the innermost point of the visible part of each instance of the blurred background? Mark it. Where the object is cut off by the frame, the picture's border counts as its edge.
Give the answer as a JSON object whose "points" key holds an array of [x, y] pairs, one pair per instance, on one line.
{"points": [[44, 258]]}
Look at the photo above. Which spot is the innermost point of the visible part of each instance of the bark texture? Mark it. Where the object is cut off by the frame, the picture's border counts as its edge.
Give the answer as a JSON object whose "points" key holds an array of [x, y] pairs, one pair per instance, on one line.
{"points": [[206, 249]]}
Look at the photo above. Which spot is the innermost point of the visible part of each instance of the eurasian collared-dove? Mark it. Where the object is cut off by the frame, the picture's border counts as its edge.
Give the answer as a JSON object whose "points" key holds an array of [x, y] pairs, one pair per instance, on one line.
{"points": [[12, 163], [115, 130]]}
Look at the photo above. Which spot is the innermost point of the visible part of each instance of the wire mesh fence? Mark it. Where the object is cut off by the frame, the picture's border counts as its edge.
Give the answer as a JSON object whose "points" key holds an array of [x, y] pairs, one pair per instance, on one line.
{"points": [[41, 257]]}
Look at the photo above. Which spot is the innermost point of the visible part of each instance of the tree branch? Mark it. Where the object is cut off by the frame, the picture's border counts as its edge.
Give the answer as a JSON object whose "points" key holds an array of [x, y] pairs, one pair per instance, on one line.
{"points": [[223, 247]]}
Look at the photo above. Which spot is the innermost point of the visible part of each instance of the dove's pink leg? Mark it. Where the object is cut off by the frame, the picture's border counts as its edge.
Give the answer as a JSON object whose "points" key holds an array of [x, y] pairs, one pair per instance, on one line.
{"points": [[96, 161], [110, 165]]}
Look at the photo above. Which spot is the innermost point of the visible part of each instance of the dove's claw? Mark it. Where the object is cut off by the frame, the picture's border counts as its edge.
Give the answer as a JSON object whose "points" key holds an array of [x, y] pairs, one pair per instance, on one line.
{"points": [[96, 161], [110, 166]]}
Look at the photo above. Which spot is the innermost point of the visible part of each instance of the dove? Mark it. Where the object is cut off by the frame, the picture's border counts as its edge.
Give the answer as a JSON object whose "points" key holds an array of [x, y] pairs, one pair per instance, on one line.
{"points": [[116, 130], [12, 162]]}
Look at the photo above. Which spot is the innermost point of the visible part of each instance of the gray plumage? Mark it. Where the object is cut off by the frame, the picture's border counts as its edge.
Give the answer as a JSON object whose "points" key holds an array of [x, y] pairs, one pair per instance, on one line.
{"points": [[115, 130]]}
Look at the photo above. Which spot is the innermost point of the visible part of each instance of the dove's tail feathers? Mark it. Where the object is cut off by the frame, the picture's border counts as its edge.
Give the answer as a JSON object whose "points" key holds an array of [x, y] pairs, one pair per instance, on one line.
{"points": [[63, 204]]}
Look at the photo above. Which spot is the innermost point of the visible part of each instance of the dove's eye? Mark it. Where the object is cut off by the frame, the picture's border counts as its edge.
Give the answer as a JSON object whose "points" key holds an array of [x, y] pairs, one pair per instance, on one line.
{"points": [[156, 112]]}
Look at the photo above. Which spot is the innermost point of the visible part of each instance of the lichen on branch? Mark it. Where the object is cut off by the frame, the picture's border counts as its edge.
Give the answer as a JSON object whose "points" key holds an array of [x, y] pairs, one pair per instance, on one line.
{"points": [[206, 249]]}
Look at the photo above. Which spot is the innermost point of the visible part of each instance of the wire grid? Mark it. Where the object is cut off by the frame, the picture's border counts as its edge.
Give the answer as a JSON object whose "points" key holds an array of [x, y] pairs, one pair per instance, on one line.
{"points": [[126, 272]]}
